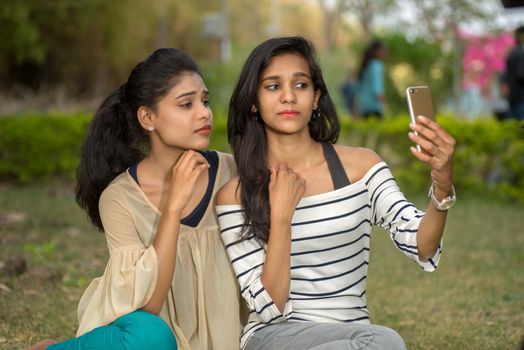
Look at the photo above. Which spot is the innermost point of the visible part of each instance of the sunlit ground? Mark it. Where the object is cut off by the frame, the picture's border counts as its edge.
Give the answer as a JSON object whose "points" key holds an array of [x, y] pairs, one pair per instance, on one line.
{"points": [[473, 301]]}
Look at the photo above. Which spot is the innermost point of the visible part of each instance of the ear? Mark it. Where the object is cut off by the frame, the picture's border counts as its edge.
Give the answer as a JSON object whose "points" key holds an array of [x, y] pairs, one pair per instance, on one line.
{"points": [[316, 99], [253, 108], [145, 118]]}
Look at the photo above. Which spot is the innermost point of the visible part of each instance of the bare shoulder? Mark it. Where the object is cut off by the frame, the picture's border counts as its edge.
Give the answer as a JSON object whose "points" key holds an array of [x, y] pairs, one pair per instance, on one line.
{"points": [[229, 193], [357, 160]]}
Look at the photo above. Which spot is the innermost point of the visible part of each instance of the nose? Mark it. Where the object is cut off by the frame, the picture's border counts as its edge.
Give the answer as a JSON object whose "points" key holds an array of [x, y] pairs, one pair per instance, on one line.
{"points": [[288, 95], [205, 112]]}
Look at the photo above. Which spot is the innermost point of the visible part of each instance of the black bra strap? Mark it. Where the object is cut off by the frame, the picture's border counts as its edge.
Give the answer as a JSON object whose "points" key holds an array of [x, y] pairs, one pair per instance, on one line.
{"points": [[336, 170]]}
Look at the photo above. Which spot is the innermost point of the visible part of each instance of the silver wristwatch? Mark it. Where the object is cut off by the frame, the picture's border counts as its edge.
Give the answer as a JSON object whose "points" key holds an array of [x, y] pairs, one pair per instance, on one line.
{"points": [[447, 202]]}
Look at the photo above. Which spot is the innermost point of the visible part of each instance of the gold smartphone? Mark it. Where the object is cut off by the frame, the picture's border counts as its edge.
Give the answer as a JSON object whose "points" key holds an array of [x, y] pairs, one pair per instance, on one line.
{"points": [[419, 103]]}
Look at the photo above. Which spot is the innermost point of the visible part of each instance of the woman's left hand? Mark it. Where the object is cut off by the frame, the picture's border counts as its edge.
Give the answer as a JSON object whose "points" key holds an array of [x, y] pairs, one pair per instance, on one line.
{"points": [[437, 148]]}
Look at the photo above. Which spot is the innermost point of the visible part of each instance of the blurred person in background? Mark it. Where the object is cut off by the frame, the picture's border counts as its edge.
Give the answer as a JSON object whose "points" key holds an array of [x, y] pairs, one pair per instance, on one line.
{"points": [[515, 76], [348, 90], [498, 96], [370, 92], [145, 180]]}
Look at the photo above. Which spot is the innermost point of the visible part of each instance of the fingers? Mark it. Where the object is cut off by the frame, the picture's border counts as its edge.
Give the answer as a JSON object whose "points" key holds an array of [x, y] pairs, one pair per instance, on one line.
{"points": [[189, 166], [423, 157], [432, 137], [285, 176], [286, 189], [433, 151], [272, 177], [190, 157], [431, 130], [437, 147]]}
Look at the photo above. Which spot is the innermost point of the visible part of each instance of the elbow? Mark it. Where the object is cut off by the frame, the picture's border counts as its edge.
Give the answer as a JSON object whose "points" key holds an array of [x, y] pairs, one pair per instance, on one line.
{"points": [[152, 309], [426, 254], [281, 305], [423, 258]]}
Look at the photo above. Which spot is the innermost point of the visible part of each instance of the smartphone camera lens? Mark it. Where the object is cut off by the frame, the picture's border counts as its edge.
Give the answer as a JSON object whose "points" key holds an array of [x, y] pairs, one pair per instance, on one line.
{"points": [[411, 91]]}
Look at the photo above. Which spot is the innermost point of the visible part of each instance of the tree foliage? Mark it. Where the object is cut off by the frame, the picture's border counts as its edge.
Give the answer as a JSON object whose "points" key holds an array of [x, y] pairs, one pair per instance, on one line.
{"points": [[87, 47]]}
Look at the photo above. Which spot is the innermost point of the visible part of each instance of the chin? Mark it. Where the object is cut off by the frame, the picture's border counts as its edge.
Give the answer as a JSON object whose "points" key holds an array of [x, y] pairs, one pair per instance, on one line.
{"points": [[200, 145], [291, 129], [194, 145]]}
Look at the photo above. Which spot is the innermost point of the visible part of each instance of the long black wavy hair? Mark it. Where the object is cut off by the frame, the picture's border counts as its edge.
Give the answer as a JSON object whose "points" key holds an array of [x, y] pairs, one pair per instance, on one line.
{"points": [[115, 139], [371, 52], [246, 132]]}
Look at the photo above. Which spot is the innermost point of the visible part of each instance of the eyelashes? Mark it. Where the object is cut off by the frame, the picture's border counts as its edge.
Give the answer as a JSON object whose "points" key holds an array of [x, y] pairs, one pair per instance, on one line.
{"points": [[277, 86]]}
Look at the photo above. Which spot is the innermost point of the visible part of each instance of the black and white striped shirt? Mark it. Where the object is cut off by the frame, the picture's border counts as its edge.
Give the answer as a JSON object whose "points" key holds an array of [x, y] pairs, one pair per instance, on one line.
{"points": [[330, 238]]}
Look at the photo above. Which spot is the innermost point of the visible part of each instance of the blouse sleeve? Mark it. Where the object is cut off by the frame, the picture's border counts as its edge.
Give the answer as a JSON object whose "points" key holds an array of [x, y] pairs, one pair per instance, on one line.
{"points": [[392, 212], [247, 257], [130, 276]]}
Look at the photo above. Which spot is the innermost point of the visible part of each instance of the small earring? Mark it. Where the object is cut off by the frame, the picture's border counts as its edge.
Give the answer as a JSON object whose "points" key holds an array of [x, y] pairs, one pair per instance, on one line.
{"points": [[316, 114], [254, 116], [151, 128]]}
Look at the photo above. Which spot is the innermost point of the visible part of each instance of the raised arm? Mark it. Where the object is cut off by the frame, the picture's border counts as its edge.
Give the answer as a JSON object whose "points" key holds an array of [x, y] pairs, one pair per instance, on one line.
{"points": [[438, 149], [183, 178], [286, 188], [263, 273]]}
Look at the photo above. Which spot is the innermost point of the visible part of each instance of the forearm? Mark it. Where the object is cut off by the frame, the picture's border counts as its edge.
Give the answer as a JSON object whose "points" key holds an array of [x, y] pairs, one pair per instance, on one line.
{"points": [[276, 272], [165, 245], [431, 227]]}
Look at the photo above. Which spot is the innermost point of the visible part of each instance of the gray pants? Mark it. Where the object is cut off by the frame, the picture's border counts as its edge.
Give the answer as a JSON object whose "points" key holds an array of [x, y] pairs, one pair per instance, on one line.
{"points": [[325, 336]]}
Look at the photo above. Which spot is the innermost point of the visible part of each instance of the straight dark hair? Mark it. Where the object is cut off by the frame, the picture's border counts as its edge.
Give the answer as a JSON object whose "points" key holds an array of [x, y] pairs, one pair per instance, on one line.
{"points": [[369, 54], [246, 132], [115, 140]]}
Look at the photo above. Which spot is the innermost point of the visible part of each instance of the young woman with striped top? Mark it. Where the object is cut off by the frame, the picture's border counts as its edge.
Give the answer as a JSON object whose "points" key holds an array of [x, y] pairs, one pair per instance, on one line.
{"points": [[296, 221]]}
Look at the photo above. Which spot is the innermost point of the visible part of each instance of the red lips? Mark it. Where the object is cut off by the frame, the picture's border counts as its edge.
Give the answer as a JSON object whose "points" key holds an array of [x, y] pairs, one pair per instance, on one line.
{"points": [[288, 113], [206, 129]]}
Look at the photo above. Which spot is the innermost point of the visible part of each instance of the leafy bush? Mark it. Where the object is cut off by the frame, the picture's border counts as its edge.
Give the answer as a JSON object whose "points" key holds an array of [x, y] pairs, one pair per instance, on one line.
{"points": [[489, 155], [34, 145]]}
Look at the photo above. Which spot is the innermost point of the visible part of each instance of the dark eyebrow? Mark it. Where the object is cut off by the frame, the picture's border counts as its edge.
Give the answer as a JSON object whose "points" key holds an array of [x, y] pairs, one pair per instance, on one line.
{"points": [[185, 94], [295, 75], [205, 93], [272, 77], [301, 74]]}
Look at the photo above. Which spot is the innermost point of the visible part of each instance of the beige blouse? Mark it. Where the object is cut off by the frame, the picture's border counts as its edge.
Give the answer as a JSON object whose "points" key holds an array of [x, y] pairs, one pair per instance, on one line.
{"points": [[203, 305]]}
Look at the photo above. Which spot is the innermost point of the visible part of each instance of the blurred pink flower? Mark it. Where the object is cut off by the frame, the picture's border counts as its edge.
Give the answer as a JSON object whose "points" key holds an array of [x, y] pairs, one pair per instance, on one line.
{"points": [[484, 56]]}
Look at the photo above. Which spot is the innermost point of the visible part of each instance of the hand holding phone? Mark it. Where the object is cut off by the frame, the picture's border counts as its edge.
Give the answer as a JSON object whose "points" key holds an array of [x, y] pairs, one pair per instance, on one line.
{"points": [[419, 103]]}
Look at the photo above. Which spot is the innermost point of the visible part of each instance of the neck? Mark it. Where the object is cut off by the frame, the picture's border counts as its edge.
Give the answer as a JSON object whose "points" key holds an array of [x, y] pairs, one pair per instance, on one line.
{"points": [[159, 162], [297, 151]]}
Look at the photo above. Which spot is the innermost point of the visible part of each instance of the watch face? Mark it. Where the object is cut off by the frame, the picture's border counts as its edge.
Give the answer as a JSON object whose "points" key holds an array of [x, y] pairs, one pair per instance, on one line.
{"points": [[446, 204]]}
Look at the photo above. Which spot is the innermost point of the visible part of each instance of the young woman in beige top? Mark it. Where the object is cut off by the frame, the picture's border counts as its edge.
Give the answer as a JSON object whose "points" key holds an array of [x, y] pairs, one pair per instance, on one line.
{"points": [[168, 283]]}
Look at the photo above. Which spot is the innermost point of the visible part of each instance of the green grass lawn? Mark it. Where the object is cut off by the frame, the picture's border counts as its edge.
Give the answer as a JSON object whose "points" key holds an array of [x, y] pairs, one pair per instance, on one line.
{"points": [[475, 299]]}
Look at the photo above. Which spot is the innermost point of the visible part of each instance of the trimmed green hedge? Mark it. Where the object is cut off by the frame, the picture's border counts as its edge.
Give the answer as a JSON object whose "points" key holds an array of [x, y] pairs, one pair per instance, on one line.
{"points": [[34, 146], [489, 154], [38, 145]]}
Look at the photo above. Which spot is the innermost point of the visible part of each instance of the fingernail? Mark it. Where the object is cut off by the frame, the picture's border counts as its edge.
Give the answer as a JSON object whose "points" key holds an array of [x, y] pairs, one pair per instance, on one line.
{"points": [[413, 149]]}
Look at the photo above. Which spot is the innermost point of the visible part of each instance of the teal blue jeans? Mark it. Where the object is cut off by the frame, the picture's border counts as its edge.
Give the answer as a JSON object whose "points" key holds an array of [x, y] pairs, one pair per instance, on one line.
{"points": [[136, 330]]}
